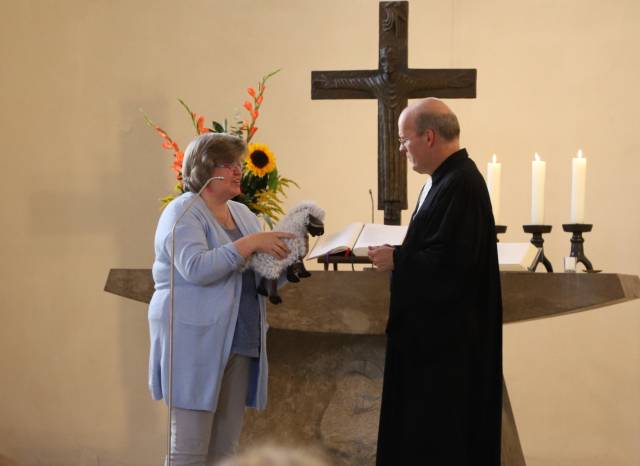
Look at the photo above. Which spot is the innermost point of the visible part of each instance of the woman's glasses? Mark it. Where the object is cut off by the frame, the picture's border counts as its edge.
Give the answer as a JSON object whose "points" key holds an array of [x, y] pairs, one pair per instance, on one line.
{"points": [[236, 166]]}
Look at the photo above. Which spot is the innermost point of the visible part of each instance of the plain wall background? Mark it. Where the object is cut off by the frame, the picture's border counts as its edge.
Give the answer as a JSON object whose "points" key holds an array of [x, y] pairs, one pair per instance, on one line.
{"points": [[83, 175]]}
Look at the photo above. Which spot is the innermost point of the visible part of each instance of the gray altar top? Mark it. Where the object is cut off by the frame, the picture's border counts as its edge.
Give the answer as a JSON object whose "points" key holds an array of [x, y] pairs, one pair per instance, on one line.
{"points": [[357, 303]]}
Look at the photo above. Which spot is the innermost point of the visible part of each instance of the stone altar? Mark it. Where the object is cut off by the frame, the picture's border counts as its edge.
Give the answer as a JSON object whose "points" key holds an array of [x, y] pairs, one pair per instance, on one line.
{"points": [[326, 351]]}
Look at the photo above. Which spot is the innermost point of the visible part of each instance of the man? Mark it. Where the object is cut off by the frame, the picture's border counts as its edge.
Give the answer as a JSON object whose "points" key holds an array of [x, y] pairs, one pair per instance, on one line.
{"points": [[441, 400]]}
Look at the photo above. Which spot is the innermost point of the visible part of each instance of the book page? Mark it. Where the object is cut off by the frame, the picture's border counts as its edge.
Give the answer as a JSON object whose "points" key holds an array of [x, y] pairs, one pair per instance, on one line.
{"points": [[516, 256], [375, 234], [336, 242]]}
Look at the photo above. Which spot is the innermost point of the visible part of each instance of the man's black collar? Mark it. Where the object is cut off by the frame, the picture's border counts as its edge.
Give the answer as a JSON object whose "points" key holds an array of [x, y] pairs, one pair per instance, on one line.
{"points": [[449, 164]]}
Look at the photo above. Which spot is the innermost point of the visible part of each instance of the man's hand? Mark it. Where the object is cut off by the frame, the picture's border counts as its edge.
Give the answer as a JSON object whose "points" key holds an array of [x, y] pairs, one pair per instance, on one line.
{"points": [[382, 257]]}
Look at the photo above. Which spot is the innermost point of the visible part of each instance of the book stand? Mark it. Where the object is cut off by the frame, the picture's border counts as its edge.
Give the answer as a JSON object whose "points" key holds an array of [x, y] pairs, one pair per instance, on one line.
{"points": [[342, 258]]}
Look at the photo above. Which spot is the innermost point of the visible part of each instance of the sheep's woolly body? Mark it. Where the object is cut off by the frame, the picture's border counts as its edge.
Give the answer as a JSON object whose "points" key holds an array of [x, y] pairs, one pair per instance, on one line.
{"points": [[294, 222]]}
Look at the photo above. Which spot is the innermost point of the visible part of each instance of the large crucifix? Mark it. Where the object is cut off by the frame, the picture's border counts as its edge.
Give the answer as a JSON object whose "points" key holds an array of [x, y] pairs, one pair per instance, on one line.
{"points": [[392, 84]]}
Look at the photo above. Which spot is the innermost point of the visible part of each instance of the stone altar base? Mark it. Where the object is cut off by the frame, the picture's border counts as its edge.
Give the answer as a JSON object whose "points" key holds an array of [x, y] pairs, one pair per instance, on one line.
{"points": [[4, 461], [324, 389], [326, 350]]}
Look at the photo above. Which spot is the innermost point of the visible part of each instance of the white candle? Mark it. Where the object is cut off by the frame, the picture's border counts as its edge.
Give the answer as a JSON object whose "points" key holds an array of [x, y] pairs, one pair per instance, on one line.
{"points": [[578, 185], [494, 171], [538, 172]]}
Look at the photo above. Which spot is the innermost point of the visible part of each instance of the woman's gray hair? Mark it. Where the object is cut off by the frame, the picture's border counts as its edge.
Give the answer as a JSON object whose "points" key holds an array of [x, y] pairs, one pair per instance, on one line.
{"points": [[204, 152], [445, 124]]}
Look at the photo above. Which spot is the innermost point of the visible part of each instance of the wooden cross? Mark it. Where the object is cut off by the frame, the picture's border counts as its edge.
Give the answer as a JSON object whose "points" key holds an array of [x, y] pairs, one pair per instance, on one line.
{"points": [[392, 84]]}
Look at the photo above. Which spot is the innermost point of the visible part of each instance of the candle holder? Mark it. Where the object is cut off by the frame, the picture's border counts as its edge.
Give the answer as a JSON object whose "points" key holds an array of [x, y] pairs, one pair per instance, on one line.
{"points": [[500, 229], [537, 231], [577, 242]]}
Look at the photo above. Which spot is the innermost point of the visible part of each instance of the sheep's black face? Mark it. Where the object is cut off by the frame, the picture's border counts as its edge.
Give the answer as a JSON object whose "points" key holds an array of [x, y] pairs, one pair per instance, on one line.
{"points": [[315, 227]]}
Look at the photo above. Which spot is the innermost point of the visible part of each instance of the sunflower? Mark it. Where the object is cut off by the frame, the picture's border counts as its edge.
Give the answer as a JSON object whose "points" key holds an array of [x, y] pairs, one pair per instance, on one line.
{"points": [[260, 160]]}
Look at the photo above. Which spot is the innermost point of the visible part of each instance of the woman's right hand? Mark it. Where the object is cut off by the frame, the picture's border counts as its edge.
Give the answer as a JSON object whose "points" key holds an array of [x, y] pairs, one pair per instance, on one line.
{"points": [[268, 242], [271, 242]]}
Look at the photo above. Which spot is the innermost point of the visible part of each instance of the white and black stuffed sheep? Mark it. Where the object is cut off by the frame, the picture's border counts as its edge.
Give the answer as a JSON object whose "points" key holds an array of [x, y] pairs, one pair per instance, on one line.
{"points": [[304, 219]]}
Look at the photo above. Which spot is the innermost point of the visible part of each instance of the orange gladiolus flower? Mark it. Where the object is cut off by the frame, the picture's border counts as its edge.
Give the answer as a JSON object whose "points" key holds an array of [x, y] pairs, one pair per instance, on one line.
{"points": [[200, 124], [259, 100], [253, 130], [175, 146], [177, 163], [248, 105], [166, 144], [251, 91], [255, 114]]}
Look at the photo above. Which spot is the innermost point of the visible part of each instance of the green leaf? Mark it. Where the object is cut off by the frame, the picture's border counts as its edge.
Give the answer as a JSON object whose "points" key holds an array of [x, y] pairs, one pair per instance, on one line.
{"points": [[147, 119], [289, 181], [268, 220], [218, 127], [271, 74], [273, 181], [193, 118]]}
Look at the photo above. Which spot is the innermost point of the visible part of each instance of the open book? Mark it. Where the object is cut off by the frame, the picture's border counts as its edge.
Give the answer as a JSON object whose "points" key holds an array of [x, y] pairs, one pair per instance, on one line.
{"points": [[517, 256], [357, 237]]}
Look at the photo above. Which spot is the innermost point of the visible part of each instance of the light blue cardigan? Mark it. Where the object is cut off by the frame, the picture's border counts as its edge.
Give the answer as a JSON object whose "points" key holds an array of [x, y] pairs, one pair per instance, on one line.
{"points": [[208, 283]]}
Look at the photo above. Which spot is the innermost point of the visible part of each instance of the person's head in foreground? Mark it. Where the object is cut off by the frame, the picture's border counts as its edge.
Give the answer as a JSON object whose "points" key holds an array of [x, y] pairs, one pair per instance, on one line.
{"points": [[270, 455]]}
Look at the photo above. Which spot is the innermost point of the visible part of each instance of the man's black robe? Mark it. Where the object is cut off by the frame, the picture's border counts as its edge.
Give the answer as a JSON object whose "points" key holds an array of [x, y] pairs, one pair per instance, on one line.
{"points": [[442, 394]]}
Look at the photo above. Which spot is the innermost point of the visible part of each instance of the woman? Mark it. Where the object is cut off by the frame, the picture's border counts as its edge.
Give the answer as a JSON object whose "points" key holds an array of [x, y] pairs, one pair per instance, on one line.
{"points": [[219, 331]]}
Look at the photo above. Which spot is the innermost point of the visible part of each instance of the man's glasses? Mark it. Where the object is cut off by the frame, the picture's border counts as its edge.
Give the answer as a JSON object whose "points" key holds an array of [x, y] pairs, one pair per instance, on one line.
{"points": [[403, 142]]}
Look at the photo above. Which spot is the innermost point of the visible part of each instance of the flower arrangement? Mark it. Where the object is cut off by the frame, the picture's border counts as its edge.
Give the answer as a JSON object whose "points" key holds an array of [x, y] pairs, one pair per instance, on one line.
{"points": [[262, 185]]}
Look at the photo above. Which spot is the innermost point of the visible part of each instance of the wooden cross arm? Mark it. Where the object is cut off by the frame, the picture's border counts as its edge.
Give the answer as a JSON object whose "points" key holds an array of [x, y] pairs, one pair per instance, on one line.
{"points": [[350, 84], [442, 83]]}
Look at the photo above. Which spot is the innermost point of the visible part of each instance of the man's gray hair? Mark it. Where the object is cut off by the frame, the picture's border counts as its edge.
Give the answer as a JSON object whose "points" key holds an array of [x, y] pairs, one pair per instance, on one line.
{"points": [[204, 152], [445, 124]]}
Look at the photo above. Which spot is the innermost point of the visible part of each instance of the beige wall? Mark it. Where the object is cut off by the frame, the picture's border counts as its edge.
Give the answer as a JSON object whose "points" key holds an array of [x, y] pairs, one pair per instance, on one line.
{"points": [[83, 175]]}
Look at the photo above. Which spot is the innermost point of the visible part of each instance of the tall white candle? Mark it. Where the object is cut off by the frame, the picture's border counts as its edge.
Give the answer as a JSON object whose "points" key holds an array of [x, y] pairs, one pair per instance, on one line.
{"points": [[494, 172], [538, 172], [578, 188]]}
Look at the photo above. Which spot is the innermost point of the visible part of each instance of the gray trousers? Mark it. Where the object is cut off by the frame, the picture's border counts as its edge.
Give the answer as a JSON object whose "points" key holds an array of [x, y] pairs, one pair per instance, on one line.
{"points": [[202, 438]]}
